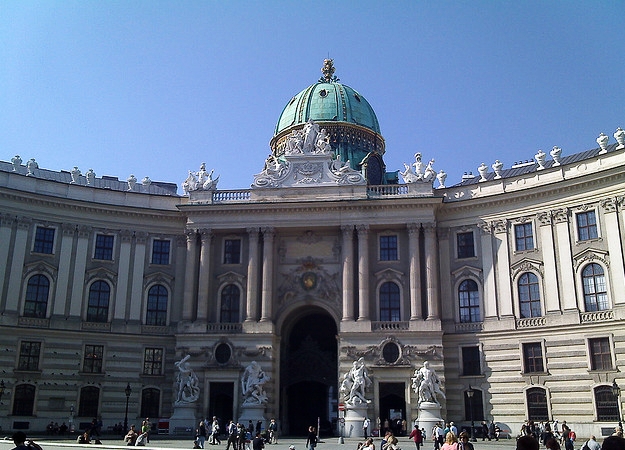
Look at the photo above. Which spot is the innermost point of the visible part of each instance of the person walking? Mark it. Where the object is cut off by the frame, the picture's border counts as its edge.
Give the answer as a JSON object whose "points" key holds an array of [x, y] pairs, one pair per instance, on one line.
{"points": [[311, 440], [365, 427], [200, 434], [416, 436], [464, 443]]}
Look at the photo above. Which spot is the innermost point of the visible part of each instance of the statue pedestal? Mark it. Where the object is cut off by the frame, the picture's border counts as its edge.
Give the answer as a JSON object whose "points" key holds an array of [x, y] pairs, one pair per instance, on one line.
{"points": [[354, 417], [429, 415], [183, 419], [253, 412]]}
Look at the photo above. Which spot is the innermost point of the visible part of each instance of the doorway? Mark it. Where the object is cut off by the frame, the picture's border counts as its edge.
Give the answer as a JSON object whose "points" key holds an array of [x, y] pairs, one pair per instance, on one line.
{"points": [[393, 407], [221, 399]]}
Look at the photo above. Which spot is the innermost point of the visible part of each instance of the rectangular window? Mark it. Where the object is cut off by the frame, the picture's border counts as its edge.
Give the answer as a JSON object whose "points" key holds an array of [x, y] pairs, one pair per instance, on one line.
{"points": [[465, 245], [524, 237], [533, 358], [44, 240], [160, 252], [232, 251], [29, 356], [92, 362], [471, 361], [600, 354], [104, 247], [388, 248], [586, 226], [153, 361]]}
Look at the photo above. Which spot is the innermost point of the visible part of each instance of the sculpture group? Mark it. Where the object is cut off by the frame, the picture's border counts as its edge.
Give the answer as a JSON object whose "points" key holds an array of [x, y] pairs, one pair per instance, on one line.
{"points": [[200, 180], [355, 382], [427, 385]]}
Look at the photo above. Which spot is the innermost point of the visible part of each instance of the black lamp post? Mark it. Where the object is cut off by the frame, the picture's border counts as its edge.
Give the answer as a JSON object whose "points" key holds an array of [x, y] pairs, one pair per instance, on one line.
{"points": [[470, 394], [71, 419], [128, 391], [616, 391], [2, 388]]}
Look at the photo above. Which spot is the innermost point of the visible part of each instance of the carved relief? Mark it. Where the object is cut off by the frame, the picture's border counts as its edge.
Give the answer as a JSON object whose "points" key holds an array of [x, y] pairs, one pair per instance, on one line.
{"points": [[309, 279]]}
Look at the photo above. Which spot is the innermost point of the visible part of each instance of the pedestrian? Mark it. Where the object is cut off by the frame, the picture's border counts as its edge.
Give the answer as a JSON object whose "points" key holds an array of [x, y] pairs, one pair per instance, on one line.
{"points": [[365, 427], [131, 436], [273, 431], [485, 431], [527, 443], [592, 444], [258, 443], [453, 428], [21, 443], [214, 437], [416, 436], [451, 442], [613, 443], [232, 435], [464, 443], [146, 425], [311, 440], [200, 434]]}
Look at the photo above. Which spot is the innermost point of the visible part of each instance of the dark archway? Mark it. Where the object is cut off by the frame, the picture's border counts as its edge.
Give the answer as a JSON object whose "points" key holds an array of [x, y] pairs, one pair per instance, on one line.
{"points": [[393, 405], [309, 373]]}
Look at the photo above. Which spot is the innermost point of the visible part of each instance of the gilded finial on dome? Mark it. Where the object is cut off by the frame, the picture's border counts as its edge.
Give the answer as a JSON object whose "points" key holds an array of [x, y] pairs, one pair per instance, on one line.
{"points": [[328, 72]]}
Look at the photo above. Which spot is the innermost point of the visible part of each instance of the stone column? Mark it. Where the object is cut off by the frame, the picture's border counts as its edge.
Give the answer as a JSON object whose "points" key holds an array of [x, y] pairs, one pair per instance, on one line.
{"points": [[363, 272], [347, 232], [552, 295], [80, 263], [65, 265], [447, 296], [6, 229], [267, 293], [488, 265], [613, 236], [17, 263], [189, 275], [503, 291], [123, 272], [136, 280], [416, 312], [252, 276], [206, 237], [563, 239], [431, 271]]}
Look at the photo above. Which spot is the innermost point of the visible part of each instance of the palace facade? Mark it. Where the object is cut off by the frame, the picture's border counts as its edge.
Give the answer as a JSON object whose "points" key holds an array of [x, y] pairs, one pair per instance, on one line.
{"points": [[511, 283]]}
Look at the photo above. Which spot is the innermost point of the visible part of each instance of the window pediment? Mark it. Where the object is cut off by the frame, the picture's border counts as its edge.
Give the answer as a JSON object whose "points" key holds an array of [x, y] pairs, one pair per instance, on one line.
{"points": [[527, 265], [468, 272], [40, 267], [591, 255], [102, 274]]}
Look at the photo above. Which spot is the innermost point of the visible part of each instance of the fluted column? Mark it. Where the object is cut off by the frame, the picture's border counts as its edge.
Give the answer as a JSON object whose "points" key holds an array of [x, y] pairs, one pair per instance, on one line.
{"points": [[267, 293], [363, 272], [416, 312], [613, 237], [206, 237], [252, 276], [348, 272], [189, 275], [431, 271], [565, 258]]}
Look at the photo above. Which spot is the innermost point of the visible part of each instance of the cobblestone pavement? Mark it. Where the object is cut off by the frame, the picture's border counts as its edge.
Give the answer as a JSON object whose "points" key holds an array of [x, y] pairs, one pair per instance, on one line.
{"points": [[329, 443]]}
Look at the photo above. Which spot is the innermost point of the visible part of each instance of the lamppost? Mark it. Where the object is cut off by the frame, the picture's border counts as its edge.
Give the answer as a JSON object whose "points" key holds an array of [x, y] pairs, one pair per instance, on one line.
{"points": [[2, 388], [71, 419], [128, 391], [616, 391], [470, 394]]}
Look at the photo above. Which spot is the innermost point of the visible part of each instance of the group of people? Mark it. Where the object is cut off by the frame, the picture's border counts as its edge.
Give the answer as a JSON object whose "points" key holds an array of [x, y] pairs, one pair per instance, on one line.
{"points": [[531, 442], [54, 429], [207, 430], [141, 437]]}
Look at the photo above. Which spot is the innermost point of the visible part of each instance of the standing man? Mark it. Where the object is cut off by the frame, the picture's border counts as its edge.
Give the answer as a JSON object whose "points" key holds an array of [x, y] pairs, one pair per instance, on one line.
{"points": [[417, 437], [258, 443], [232, 436], [365, 427]]}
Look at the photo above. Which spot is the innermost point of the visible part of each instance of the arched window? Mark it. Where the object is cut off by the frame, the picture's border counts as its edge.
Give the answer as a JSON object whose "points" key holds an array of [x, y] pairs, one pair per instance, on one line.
{"points": [[390, 310], [537, 409], [595, 291], [607, 404], [98, 309], [89, 399], [230, 298], [157, 306], [37, 291], [150, 402], [529, 295], [469, 297], [473, 405], [24, 400]]}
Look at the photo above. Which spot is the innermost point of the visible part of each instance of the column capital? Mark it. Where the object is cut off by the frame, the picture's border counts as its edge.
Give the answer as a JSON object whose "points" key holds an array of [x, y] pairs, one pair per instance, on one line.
{"points": [[560, 215], [141, 236], [544, 218], [485, 227], [268, 232], [24, 222], [609, 205], [190, 233], [413, 228], [500, 226], [253, 232], [69, 229], [125, 235], [347, 229], [84, 231], [362, 228], [429, 227], [206, 235]]}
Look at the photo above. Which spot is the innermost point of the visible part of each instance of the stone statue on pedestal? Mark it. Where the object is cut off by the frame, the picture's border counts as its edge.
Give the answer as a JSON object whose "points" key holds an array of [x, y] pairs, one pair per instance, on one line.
{"points": [[187, 387], [355, 382], [252, 384], [427, 385]]}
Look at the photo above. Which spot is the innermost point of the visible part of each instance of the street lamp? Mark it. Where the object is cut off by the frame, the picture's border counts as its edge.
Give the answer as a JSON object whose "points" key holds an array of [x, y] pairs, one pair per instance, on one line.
{"points": [[128, 391], [71, 419], [470, 394], [2, 387], [616, 391]]}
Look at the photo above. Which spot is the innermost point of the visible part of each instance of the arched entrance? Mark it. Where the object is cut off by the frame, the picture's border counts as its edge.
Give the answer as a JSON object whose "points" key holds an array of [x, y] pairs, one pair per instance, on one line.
{"points": [[308, 373]]}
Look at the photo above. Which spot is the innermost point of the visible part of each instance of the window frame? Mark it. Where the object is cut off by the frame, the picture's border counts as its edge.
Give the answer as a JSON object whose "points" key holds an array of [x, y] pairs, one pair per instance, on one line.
{"points": [[531, 301], [157, 316], [29, 361], [89, 401], [525, 357], [95, 313], [459, 247], [394, 307], [159, 253], [464, 364], [388, 253], [100, 250], [594, 295], [24, 400], [226, 259], [45, 242], [223, 310], [579, 227], [40, 304], [592, 355], [94, 364], [471, 307], [525, 237], [607, 409], [153, 366], [531, 410]]}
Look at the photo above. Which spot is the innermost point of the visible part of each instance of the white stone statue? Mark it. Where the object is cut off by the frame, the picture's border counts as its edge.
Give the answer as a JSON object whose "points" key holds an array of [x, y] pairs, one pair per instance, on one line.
{"points": [[418, 165], [408, 175], [429, 173], [540, 157], [441, 177], [146, 181], [497, 167], [75, 174], [619, 135], [602, 140], [427, 385], [17, 162], [311, 130], [322, 144], [31, 165], [355, 382], [200, 180], [295, 142], [187, 385], [252, 384], [90, 175], [132, 182], [555, 153], [210, 184], [483, 170]]}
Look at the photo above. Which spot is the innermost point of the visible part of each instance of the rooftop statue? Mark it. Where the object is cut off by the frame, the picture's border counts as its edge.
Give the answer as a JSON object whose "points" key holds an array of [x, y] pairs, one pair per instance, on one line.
{"points": [[426, 383], [187, 385], [422, 173], [200, 180], [252, 384]]}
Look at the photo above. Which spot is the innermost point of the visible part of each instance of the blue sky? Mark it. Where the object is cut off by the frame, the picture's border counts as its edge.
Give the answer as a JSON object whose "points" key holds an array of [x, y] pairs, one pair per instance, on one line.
{"points": [[155, 88]]}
